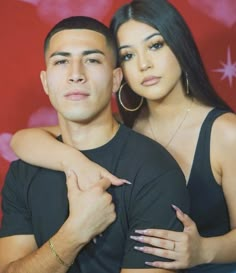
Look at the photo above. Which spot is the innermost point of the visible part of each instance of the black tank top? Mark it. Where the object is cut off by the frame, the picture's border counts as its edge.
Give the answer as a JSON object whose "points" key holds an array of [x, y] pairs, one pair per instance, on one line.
{"points": [[208, 205]]}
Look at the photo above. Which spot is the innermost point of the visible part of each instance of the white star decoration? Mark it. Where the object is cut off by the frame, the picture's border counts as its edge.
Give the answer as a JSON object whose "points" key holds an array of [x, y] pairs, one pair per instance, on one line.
{"points": [[228, 69]]}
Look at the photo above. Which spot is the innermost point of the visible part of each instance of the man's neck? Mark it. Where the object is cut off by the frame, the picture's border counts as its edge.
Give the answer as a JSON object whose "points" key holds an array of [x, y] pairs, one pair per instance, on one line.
{"points": [[88, 136]]}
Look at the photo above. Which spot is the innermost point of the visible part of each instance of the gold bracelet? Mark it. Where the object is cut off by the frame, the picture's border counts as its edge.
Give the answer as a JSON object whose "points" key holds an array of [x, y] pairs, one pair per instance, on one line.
{"points": [[57, 256]]}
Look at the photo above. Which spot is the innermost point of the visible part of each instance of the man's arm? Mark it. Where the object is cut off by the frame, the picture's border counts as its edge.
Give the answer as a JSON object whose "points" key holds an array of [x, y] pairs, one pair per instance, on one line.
{"points": [[151, 207], [9, 249], [19, 253]]}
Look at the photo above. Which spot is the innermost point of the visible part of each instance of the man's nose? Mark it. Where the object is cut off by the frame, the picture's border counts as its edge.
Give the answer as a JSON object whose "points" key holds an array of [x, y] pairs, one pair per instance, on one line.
{"points": [[76, 73]]}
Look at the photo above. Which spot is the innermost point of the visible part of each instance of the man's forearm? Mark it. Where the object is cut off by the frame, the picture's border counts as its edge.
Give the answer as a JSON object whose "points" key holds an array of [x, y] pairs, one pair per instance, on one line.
{"points": [[83, 223], [40, 260], [55, 256]]}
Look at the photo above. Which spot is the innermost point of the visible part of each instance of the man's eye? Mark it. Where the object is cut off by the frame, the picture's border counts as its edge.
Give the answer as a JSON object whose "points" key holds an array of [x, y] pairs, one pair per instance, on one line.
{"points": [[60, 62], [92, 61]]}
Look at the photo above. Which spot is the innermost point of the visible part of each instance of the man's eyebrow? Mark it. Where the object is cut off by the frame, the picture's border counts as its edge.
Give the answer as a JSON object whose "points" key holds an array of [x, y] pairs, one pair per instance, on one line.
{"points": [[84, 53], [60, 53], [92, 51], [145, 39]]}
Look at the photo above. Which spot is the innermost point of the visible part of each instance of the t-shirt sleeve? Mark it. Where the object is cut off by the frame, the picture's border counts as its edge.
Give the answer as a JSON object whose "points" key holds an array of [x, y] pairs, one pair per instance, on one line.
{"points": [[16, 216], [150, 207]]}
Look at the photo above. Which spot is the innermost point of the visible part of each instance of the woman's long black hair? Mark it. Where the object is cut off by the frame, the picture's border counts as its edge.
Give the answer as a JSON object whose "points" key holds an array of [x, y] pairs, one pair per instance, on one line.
{"points": [[161, 15]]}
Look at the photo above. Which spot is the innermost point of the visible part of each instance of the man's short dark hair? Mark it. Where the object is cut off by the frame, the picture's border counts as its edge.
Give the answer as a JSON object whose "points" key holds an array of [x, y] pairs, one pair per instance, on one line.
{"points": [[83, 22]]}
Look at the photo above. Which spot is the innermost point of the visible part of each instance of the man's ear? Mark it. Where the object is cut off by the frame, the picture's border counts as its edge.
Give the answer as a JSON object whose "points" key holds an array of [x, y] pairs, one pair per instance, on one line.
{"points": [[117, 78], [43, 78]]}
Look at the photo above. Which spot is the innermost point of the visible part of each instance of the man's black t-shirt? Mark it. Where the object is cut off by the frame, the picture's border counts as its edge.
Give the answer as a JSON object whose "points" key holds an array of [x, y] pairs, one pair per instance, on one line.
{"points": [[35, 201]]}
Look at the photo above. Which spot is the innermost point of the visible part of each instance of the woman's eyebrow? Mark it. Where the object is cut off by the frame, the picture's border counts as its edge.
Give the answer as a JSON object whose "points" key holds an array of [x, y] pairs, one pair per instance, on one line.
{"points": [[145, 39]]}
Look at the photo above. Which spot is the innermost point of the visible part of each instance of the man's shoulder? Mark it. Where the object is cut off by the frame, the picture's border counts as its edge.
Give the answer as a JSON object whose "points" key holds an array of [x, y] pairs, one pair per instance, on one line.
{"points": [[146, 152], [138, 137], [22, 165], [143, 144], [22, 171]]}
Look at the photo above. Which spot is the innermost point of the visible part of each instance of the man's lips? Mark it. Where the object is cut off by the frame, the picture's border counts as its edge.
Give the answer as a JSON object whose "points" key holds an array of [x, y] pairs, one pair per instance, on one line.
{"points": [[151, 80], [76, 95]]}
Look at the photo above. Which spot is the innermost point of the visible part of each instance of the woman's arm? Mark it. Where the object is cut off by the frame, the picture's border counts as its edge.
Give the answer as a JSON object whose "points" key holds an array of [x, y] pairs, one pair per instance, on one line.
{"points": [[222, 249], [38, 146], [188, 248]]}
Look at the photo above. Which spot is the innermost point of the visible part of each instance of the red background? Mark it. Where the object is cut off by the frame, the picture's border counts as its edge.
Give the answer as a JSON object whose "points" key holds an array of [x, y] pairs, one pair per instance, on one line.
{"points": [[24, 24]]}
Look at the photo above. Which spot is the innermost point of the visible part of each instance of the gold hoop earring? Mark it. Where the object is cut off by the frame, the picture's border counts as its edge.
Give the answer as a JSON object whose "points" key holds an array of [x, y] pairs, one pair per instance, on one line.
{"points": [[187, 84], [122, 104]]}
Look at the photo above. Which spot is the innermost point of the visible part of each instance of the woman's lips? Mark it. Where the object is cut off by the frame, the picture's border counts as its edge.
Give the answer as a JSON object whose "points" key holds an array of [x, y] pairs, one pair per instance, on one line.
{"points": [[149, 81]]}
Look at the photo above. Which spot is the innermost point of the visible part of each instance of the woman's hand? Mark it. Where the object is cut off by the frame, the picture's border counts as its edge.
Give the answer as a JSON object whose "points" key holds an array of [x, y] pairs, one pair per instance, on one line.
{"points": [[184, 248]]}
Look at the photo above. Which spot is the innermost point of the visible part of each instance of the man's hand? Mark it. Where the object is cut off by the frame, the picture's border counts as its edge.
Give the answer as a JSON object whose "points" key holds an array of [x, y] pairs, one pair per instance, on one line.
{"points": [[91, 211]]}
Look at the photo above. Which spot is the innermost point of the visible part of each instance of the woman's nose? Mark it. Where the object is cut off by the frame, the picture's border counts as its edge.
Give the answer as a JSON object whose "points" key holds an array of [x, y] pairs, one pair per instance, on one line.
{"points": [[144, 62]]}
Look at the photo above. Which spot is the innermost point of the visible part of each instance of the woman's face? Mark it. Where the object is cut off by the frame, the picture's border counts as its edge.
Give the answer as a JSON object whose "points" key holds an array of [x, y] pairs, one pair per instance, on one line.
{"points": [[149, 66]]}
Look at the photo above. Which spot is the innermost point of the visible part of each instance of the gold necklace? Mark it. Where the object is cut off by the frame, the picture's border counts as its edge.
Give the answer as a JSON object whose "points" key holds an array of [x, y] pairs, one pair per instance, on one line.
{"points": [[176, 130]]}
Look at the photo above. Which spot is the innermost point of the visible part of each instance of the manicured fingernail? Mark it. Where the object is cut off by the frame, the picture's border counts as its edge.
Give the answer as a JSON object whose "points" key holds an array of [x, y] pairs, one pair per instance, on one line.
{"points": [[138, 248], [126, 181], [141, 231], [153, 264], [148, 263], [137, 238], [177, 209]]}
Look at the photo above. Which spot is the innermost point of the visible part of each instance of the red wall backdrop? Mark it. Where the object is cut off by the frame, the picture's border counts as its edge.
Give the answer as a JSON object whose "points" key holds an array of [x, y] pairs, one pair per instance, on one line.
{"points": [[24, 24]]}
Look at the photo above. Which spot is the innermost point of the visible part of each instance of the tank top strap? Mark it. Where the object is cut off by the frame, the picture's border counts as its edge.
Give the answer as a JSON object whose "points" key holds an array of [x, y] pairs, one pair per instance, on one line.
{"points": [[201, 159]]}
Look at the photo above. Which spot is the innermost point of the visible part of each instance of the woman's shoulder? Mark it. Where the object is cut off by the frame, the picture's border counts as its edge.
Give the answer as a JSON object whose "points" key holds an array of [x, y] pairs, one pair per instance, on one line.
{"points": [[223, 141], [224, 128]]}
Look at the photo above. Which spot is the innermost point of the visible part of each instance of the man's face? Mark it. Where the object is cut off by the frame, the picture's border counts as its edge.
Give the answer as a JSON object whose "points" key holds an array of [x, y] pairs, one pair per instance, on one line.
{"points": [[80, 75]]}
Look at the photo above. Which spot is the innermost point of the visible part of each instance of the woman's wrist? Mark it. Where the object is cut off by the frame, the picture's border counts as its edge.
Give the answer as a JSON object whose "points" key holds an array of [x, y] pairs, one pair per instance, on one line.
{"points": [[72, 157], [206, 250]]}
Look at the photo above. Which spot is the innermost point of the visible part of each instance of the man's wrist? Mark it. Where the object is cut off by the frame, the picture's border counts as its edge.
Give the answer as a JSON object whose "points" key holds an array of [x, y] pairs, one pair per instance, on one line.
{"points": [[75, 235], [57, 256]]}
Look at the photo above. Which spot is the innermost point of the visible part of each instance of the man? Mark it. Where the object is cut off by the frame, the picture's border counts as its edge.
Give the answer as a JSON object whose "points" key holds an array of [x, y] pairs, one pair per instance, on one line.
{"points": [[53, 226]]}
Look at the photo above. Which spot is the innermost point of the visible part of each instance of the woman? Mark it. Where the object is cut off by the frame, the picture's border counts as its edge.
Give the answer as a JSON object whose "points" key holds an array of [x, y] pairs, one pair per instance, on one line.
{"points": [[176, 106]]}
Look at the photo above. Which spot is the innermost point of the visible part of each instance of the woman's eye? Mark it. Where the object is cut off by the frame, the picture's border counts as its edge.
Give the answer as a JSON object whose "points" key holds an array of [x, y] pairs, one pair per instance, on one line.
{"points": [[126, 57], [156, 45]]}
